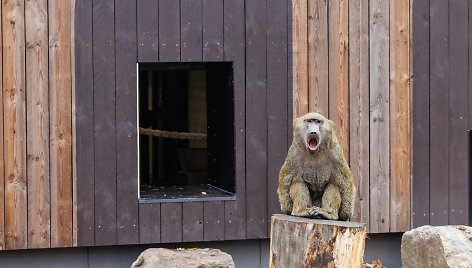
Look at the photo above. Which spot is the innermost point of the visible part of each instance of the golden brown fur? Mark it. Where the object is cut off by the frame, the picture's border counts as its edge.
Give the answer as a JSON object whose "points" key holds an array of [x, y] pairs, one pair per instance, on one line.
{"points": [[316, 184]]}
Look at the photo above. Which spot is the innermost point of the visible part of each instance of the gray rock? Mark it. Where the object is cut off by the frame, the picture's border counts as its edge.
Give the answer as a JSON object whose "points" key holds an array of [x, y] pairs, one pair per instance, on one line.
{"points": [[437, 246], [184, 258]]}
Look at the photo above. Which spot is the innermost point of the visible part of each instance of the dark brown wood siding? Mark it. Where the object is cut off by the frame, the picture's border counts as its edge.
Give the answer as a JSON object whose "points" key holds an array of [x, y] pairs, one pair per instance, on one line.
{"points": [[253, 35], [441, 93]]}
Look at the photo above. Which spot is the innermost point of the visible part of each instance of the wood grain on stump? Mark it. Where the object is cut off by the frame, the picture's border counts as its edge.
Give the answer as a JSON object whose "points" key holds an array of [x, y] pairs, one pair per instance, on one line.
{"points": [[303, 242]]}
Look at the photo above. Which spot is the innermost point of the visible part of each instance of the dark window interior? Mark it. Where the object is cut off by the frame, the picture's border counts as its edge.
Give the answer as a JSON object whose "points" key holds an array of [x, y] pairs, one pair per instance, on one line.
{"points": [[186, 120]]}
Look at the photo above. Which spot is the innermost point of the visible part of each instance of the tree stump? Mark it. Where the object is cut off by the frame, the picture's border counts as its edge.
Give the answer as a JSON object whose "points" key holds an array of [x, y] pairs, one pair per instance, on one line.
{"points": [[304, 242]]}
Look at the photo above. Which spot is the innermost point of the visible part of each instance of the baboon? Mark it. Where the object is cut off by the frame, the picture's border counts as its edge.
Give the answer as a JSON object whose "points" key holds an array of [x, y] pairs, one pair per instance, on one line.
{"points": [[315, 180]]}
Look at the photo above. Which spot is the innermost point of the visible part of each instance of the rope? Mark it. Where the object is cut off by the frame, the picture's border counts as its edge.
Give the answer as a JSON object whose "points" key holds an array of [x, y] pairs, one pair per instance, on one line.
{"points": [[172, 134]]}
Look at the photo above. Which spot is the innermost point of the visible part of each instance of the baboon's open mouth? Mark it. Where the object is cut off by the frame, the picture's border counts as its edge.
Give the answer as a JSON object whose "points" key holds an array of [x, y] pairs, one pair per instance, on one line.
{"points": [[313, 144]]}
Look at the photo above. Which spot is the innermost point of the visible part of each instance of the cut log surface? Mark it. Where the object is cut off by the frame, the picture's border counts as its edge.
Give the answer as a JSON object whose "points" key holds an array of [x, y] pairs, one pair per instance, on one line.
{"points": [[303, 242]]}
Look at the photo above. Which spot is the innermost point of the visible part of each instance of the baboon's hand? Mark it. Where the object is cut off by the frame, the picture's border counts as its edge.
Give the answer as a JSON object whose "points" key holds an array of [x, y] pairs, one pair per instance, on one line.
{"points": [[316, 212], [319, 213]]}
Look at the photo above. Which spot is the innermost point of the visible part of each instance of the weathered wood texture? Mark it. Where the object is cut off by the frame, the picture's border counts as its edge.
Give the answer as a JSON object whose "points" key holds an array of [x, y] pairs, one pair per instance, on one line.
{"points": [[36, 125], [359, 106], [37, 120], [351, 61], [301, 242], [420, 81], [358, 58], [2, 156], [14, 115], [400, 203], [234, 31], [60, 91], [441, 93]]}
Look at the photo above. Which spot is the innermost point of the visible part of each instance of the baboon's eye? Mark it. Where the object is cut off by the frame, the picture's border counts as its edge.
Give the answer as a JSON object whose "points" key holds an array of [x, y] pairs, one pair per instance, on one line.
{"points": [[318, 121], [308, 120]]}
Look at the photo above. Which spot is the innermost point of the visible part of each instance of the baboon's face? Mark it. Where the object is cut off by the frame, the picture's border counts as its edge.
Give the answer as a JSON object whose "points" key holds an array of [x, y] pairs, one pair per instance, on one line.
{"points": [[313, 128], [312, 132]]}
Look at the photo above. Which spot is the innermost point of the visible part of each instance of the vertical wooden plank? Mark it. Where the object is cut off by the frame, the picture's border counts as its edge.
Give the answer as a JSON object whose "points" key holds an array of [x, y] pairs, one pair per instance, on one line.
{"points": [[339, 70], [399, 117], [169, 30], [84, 124], [318, 56], [359, 106], [149, 223], [212, 30], [156, 223], [290, 91], [420, 112], [104, 122], [2, 155], [300, 57], [60, 123], [147, 28], [470, 65], [234, 51], [191, 34], [192, 221], [37, 120], [14, 113], [191, 30], [458, 113], [169, 50], [439, 112], [126, 127], [379, 116], [171, 223], [276, 98], [74, 129], [214, 221], [145, 223], [256, 120]]}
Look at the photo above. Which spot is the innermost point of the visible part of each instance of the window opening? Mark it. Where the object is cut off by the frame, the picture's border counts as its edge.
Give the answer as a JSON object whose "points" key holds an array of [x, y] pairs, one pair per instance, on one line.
{"points": [[186, 126]]}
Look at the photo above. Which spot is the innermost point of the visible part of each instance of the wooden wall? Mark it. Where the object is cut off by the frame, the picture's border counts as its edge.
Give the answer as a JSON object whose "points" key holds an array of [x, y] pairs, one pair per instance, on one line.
{"points": [[442, 106], [111, 37], [351, 62], [36, 124]]}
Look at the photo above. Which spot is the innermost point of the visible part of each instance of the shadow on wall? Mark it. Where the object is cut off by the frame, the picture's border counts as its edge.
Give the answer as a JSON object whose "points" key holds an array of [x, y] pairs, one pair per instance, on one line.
{"points": [[245, 253], [384, 247]]}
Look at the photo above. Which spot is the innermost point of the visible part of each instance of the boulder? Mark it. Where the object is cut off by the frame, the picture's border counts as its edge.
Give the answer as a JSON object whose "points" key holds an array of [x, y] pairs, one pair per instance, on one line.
{"points": [[437, 246], [184, 258]]}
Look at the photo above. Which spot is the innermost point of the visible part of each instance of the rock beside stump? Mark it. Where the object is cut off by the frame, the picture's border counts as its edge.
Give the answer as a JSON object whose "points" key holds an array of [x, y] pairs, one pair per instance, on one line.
{"points": [[184, 258], [437, 246]]}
